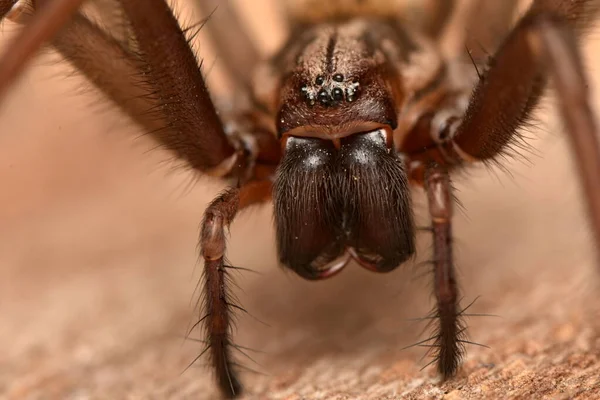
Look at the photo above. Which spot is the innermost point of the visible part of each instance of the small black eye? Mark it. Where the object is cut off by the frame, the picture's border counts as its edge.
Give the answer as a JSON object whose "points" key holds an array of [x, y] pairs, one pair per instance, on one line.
{"points": [[320, 80], [338, 78], [323, 97], [338, 94]]}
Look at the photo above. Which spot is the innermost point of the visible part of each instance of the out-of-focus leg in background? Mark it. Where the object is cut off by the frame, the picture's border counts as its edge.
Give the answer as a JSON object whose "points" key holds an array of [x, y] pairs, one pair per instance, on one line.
{"points": [[97, 270]]}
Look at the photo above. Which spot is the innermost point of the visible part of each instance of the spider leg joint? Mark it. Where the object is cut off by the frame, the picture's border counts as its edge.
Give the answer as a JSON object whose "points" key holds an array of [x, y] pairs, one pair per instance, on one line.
{"points": [[20, 11]]}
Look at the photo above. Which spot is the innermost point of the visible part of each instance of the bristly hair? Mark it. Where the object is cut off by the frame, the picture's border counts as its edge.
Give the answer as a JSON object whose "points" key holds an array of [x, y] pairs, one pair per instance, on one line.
{"points": [[447, 342], [217, 316], [509, 142]]}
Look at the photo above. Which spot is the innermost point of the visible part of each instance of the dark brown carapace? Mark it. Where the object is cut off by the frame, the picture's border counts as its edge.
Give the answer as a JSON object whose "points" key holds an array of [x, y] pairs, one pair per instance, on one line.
{"points": [[363, 99]]}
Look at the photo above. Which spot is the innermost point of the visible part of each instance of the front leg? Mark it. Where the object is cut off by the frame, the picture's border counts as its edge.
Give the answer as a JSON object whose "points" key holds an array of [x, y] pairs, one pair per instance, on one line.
{"points": [[159, 84], [543, 45], [218, 306], [447, 339]]}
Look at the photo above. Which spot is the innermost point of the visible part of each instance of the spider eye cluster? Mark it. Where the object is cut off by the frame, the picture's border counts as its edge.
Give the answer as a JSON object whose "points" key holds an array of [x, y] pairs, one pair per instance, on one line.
{"points": [[330, 91]]}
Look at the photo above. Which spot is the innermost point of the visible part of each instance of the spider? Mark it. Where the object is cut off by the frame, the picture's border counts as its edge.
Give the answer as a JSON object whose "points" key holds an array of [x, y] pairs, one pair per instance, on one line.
{"points": [[361, 101]]}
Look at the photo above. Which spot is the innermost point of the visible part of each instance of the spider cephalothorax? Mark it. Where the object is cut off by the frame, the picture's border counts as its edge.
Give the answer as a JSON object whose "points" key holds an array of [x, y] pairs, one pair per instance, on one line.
{"points": [[341, 191], [363, 99]]}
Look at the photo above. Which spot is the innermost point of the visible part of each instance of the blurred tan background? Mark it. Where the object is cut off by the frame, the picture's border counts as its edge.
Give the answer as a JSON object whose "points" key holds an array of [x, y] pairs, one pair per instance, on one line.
{"points": [[98, 275]]}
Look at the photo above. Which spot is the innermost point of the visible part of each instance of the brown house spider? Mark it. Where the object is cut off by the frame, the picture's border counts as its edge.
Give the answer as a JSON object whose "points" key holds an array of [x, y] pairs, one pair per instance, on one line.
{"points": [[357, 105]]}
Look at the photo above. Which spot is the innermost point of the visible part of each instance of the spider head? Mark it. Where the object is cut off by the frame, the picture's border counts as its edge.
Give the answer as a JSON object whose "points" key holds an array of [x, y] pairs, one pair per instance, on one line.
{"points": [[337, 80], [331, 105]]}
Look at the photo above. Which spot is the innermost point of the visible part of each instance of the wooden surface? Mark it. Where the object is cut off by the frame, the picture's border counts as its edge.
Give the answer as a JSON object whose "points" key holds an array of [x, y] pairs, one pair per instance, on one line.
{"points": [[97, 275]]}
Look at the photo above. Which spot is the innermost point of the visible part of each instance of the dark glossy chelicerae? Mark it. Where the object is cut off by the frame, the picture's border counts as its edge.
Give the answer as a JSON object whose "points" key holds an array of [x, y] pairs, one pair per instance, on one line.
{"points": [[362, 100]]}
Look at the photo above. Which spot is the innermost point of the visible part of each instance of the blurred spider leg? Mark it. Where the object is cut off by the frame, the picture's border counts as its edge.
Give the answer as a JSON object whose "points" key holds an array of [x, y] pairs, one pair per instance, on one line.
{"points": [[113, 21], [112, 69], [218, 304], [510, 89], [545, 43], [449, 348], [556, 45], [52, 16], [437, 14], [238, 53], [480, 25], [194, 131]]}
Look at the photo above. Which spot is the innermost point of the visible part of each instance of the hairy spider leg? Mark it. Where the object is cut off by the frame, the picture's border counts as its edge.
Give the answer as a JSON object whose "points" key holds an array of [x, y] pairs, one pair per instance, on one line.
{"points": [[218, 305]]}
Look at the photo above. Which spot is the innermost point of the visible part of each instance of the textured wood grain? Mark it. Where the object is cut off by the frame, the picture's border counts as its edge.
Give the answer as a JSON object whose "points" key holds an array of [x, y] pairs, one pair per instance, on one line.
{"points": [[97, 277]]}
